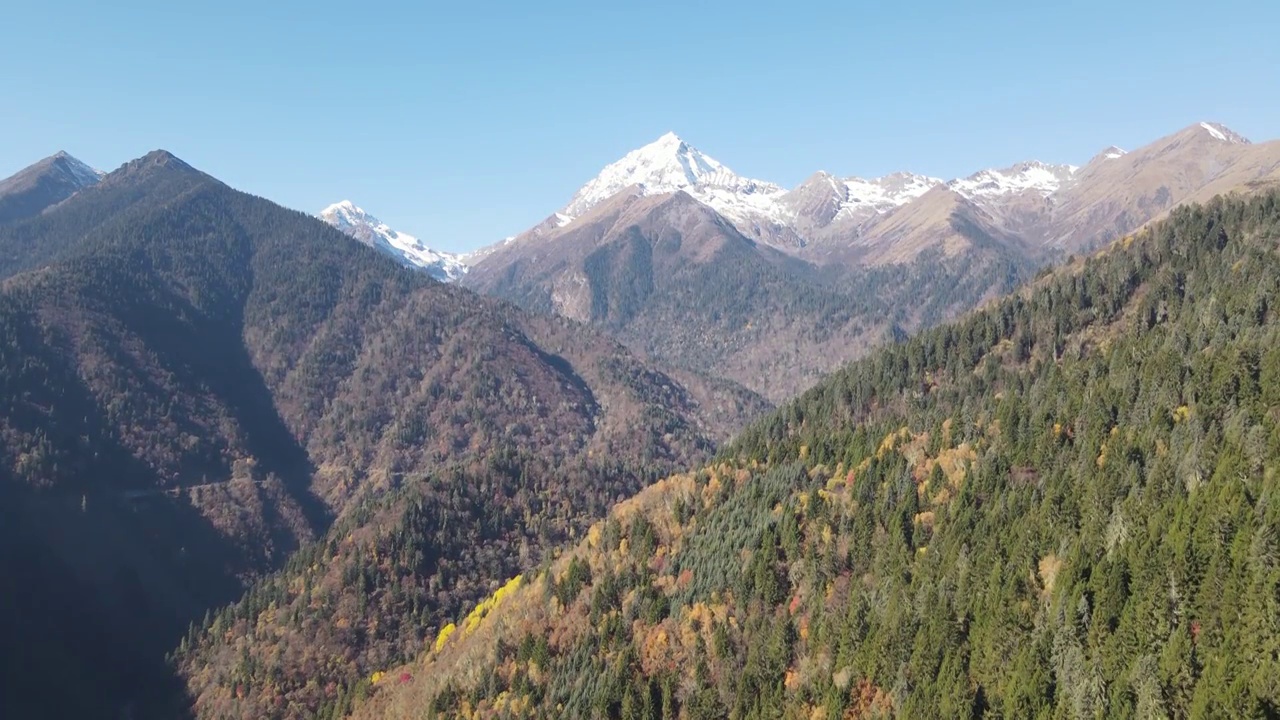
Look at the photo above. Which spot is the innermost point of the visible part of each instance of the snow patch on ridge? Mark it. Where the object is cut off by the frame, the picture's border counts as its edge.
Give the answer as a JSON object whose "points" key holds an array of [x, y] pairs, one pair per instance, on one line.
{"points": [[1221, 132], [1031, 176], [883, 193], [1213, 131]]}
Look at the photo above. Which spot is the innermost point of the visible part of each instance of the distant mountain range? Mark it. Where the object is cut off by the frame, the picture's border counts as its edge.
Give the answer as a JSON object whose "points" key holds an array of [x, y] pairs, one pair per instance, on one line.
{"points": [[682, 258], [890, 219], [874, 222]]}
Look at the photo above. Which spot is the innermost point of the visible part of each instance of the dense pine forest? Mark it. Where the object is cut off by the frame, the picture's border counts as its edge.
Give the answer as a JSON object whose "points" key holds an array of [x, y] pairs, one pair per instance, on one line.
{"points": [[1064, 506]]}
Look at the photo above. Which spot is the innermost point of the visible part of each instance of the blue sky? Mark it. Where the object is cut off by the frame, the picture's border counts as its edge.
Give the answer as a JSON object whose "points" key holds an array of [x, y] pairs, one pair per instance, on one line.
{"points": [[466, 122]]}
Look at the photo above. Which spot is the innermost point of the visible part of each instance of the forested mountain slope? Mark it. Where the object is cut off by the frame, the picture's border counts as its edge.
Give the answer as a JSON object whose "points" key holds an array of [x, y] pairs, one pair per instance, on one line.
{"points": [[197, 382], [1062, 506]]}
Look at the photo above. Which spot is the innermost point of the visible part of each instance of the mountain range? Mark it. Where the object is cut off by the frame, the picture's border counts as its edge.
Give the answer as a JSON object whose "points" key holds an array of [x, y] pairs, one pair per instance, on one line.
{"points": [[256, 463], [684, 260], [879, 220], [891, 219]]}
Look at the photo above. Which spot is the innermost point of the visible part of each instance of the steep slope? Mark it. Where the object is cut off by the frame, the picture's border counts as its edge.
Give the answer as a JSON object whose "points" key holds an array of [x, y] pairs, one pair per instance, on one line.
{"points": [[820, 208], [1049, 207], [198, 381], [43, 185], [401, 247], [1062, 506]]}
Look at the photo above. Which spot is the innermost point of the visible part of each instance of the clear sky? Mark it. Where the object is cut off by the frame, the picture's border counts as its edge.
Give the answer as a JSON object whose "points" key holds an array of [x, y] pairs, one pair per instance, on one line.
{"points": [[463, 122]]}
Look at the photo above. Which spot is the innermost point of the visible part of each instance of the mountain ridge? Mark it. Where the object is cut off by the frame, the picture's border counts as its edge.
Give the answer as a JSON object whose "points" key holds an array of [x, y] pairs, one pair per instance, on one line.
{"points": [[826, 210]]}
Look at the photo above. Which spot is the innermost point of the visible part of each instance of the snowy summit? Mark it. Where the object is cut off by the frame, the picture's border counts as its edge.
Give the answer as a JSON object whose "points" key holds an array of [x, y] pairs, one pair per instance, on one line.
{"points": [[667, 165], [404, 248]]}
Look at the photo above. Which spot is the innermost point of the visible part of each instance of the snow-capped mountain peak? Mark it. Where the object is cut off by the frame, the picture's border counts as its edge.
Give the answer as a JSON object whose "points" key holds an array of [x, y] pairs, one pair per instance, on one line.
{"points": [[346, 214], [406, 249], [1032, 176], [666, 165]]}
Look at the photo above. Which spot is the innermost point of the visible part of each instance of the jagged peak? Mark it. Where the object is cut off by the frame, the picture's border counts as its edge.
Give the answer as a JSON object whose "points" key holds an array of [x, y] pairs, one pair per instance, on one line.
{"points": [[1110, 153], [821, 179], [153, 160], [897, 181], [79, 171], [162, 157], [60, 168], [1221, 132]]}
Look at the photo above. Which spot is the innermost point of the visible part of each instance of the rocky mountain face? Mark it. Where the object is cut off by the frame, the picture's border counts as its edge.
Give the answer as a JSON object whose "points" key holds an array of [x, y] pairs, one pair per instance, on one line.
{"points": [[669, 165], [46, 183], [1046, 207]]}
